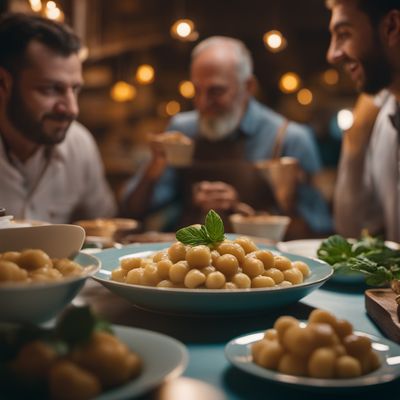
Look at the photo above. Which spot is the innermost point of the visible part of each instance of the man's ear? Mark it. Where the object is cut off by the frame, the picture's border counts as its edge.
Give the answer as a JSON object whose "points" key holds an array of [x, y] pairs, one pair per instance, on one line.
{"points": [[391, 28], [251, 85], [5, 82]]}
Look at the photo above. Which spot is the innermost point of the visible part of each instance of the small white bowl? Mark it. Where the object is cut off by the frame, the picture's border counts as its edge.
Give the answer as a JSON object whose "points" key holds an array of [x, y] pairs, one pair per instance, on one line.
{"points": [[271, 227], [39, 302]]}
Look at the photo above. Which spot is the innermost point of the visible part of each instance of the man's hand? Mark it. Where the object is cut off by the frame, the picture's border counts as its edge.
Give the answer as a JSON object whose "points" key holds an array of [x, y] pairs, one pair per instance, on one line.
{"points": [[215, 195], [158, 160]]}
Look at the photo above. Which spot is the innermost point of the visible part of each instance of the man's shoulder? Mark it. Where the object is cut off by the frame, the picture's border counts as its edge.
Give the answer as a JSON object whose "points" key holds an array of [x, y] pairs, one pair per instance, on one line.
{"points": [[185, 122]]}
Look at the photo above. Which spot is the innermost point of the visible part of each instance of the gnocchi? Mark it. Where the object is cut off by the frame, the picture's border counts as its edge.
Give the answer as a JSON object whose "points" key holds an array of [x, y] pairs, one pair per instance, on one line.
{"points": [[34, 265], [323, 348], [231, 264]]}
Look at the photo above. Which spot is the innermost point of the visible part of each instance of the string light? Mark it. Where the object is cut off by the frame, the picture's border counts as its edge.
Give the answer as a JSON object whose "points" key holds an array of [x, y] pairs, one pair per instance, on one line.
{"points": [[184, 29], [186, 89], [331, 77], [345, 119], [172, 107], [274, 41], [304, 97], [289, 82], [122, 92], [145, 74], [36, 5]]}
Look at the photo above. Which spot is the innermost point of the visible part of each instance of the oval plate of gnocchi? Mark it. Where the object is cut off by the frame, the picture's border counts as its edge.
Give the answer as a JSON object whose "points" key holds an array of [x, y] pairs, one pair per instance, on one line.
{"points": [[240, 353], [235, 277]]}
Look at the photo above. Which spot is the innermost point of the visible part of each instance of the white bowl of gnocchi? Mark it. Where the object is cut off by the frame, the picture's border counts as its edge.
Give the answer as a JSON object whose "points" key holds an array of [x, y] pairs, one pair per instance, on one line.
{"points": [[41, 271], [234, 276]]}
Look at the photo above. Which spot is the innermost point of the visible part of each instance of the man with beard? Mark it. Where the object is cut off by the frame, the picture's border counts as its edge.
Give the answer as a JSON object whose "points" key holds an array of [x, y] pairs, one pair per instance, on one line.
{"points": [[231, 131], [50, 168], [366, 43]]}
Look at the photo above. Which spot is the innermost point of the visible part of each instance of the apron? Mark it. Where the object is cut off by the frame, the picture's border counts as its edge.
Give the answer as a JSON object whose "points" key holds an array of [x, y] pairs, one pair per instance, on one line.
{"points": [[223, 161]]}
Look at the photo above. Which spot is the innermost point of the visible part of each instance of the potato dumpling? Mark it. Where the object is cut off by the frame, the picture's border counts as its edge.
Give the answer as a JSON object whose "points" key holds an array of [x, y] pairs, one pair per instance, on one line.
{"points": [[270, 354], [194, 278], [198, 256], [69, 381], [10, 256], [293, 275], [266, 257], [347, 367], [135, 276], [271, 334], [177, 252], [262, 282], [253, 266], [275, 274], [282, 263], [105, 357], [322, 363], [163, 267], [299, 340], [215, 280], [178, 271], [32, 259], [241, 280], [227, 264], [68, 267], [118, 275], [292, 365], [232, 248], [130, 263], [357, 345], [11, 272], [302, 267], [324, 316], [283, 323], [34, 360], [246, 243]]}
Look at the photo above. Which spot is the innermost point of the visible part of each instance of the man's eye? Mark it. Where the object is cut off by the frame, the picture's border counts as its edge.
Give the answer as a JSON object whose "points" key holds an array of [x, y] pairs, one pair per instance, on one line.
{"points": [[216, 91], [342, 35]]}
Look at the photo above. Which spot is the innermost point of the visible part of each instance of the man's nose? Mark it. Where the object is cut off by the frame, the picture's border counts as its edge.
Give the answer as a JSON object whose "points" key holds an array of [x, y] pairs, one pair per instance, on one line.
{"points": [[68, 104], [334, 54]]}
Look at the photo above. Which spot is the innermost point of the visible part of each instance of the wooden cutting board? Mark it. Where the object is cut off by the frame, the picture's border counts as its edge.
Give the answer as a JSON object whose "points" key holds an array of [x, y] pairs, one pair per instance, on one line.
{"points": [[381, 306]]}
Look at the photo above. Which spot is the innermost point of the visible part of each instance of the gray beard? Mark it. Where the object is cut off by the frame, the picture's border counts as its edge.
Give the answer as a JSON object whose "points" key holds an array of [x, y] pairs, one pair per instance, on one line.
{"points": [[215, 129]]}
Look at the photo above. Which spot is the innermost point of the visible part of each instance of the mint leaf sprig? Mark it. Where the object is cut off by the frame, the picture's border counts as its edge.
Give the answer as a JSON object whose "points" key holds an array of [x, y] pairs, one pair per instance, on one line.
{"points": [[209, 234]]}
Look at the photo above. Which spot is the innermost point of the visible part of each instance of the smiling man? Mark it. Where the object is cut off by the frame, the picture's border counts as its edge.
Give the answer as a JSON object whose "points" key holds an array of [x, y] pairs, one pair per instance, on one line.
{"points": [[50, 168], [366, 43], [231, 130]]}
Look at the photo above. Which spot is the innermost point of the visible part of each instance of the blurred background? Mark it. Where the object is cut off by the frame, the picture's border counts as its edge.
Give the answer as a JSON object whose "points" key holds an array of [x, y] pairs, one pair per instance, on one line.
{"points": [[136, 67]]}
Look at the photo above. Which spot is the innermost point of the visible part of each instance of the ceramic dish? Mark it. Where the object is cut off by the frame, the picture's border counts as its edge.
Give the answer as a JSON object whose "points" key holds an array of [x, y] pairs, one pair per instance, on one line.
{"points": [[238, 352], [156, 369], [206, 301], [308, 248]]}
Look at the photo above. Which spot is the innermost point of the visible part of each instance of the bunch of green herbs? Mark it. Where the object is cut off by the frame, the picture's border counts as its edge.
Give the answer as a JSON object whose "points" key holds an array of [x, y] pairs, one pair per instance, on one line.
{"points": [[368, 255]]}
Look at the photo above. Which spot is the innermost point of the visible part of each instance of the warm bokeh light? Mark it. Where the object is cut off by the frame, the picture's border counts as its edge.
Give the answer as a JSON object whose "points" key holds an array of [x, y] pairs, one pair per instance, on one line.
{"points": [[345, 119], [145, 74], [186, 89], [304, 97], [289, 82], [83, 53], [122, 91], [331, 76], [184, 29], [172, 107], [274, 41], [36, 5], [53, 12]]}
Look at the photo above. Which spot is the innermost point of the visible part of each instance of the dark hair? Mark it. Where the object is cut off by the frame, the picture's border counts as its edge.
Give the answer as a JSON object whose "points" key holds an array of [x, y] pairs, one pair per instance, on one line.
{"points": [[17, 30], [375, 9]]}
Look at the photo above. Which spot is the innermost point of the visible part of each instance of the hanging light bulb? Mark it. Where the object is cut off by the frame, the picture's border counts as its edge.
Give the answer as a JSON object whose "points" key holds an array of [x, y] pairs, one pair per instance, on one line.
{"points": [[36, 5], [274, 41], [304, 97], [289, 82], [145, 74], [186, 89], [122, 91], [53, 12], [184, 29]]}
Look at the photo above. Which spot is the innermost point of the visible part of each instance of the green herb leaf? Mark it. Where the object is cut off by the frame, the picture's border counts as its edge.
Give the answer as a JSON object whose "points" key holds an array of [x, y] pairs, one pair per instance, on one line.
{"points": [[209, 234], [214, 226]]}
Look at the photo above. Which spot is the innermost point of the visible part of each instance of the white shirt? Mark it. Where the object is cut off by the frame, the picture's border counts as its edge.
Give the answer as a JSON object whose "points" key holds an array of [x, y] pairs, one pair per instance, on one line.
{"points": [[376, 206], [71, 187]]}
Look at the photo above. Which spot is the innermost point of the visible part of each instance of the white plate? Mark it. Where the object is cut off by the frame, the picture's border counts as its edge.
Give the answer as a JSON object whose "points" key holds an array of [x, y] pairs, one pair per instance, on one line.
{"points": [[238, 352], [163, 358], [205, 301], [308, 248]]}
